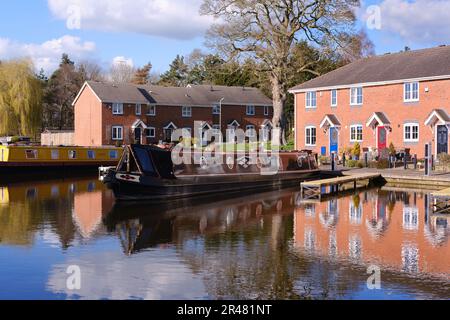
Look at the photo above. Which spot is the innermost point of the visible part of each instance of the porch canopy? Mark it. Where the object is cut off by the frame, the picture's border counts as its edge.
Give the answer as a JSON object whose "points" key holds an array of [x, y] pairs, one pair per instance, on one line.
{"points": [[330, 121], [438, 117], [139, 124], [170, 125], [267, 124], [378, 119]]}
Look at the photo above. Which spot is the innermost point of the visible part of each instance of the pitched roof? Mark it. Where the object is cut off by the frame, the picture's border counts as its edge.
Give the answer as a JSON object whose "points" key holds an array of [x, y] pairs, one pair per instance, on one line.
{"points": [[433, 62], [192, 95]]}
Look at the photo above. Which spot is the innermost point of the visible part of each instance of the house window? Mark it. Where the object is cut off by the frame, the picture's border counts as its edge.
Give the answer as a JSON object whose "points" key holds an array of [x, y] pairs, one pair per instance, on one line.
{"points": [[251, 110], [411, 132], [91, 154], [266, 110], [55, 154], [411, 92], [31, 154], [138, 109], [151, 132], [311, 99], [117, 133], [356, 133], [216, 128], [113, 154], [151, 110], [72, 154], [356, 96], [187, 112], [117, 108], [251, 132], [216, 109], [311, 136], [334, 98]]}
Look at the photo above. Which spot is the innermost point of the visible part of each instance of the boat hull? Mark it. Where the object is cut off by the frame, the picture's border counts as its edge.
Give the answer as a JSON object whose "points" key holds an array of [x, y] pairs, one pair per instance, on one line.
{"points": [[153, 189]]}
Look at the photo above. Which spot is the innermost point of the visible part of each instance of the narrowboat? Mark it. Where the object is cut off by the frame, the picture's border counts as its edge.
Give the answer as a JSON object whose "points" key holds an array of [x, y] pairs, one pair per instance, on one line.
{"points": [[148, 173], [33, 159]]}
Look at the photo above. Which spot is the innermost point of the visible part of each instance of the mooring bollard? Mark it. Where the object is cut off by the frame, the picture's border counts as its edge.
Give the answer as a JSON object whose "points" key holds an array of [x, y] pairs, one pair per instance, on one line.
{"points": [[415, 162], [366, 159], [343, 159], [405, 162], [333, 162]]}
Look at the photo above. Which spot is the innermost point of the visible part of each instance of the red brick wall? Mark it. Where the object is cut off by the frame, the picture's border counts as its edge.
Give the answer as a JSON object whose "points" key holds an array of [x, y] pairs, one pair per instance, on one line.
{"points": [[387, 99], [167, 114]]}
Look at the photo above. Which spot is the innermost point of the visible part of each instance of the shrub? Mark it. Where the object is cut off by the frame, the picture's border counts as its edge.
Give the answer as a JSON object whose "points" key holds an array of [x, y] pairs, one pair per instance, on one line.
{"points": [[444, 158], [356, 150], [392, 151], [352, 163], [383, 164]]}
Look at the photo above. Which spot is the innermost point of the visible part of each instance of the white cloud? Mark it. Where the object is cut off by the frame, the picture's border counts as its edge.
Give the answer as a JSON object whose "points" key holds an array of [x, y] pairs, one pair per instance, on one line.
{"points": [[178, 19], [416, 22], [47, 55], [123, 60]]}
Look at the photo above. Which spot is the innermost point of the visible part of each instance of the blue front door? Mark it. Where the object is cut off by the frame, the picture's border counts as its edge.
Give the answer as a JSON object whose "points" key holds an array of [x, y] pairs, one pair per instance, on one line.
{"points": [[334, 140]]}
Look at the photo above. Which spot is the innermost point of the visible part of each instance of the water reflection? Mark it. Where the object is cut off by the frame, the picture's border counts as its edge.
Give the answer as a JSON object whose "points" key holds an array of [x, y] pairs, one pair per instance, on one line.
{"points": [[264, 246]]}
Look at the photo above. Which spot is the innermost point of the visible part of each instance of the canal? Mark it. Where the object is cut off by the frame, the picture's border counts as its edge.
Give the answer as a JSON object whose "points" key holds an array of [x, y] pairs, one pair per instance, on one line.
{"points": [[264, 246]]}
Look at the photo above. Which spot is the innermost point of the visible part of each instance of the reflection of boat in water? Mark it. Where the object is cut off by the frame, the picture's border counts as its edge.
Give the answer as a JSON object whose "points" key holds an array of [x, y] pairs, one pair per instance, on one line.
{"points": [[148, 173], [140, 226]]}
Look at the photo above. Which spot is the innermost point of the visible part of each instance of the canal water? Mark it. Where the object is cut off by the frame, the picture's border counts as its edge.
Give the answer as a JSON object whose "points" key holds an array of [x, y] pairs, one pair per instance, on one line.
{"points": [[264, 246]]}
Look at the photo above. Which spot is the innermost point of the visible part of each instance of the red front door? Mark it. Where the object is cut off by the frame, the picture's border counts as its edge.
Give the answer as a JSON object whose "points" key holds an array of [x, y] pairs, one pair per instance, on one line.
{"points": [[382, 138]]}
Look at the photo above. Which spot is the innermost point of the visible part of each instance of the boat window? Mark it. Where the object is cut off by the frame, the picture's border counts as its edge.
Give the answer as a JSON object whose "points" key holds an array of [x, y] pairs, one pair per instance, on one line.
{"points": [[72, 154], [113, 154], [55, 154], [163, 160], [31, 154], [144, 160], [91, 154]]}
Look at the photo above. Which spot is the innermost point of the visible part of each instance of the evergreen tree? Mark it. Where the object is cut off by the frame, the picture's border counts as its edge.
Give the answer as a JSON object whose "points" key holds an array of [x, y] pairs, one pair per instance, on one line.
{"points": [[177, 75]]}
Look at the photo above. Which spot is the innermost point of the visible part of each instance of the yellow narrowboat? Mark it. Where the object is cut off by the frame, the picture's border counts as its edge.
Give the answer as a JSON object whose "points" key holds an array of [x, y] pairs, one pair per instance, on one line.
{"points": [[31, 158]]}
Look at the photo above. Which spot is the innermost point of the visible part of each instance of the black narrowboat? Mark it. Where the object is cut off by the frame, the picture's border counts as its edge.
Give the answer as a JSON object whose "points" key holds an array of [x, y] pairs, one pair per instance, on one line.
{"points": [[148, 173]]}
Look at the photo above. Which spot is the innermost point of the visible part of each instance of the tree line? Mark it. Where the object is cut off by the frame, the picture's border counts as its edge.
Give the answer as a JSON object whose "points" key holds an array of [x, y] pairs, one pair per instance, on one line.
{"points": [[271, 45]]}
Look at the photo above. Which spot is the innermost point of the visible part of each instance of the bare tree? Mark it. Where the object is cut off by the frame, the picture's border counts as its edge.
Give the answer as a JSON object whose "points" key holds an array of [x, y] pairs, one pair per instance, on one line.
{"points": [[91, 71], [121, 72], [267, 31]]}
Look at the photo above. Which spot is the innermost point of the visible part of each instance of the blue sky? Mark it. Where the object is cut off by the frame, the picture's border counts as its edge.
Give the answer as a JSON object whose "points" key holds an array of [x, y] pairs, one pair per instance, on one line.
{"points": [[158, 30]]}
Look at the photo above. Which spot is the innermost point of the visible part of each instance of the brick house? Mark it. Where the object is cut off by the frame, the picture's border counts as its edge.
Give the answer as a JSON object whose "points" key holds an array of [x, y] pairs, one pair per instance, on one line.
{"points": [[403, 98], [107, 114]]}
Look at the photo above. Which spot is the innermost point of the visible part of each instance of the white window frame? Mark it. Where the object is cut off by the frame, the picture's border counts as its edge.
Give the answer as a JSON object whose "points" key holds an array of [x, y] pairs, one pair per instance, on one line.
{"points": [[138, 109], [148, 135], [266, 110], [118, 137], [354, 96], [117, 108], [186, 112], [216, 110], [334, 98], [309, 136], [311, 99], [251, 110], [408, 92], [411, 125], [251, 127], [151, 110], [356, 126]]}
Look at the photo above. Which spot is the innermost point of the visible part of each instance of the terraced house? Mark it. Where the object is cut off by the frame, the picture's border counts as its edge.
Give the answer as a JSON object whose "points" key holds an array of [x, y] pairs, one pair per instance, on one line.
{"points": [[107, 114], [401, 98]]}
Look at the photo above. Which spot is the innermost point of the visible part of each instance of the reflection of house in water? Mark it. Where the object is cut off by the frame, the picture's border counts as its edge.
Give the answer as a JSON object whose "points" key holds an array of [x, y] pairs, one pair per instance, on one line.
{"points": [[50, 207], [89, 208], [397, 233]]}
